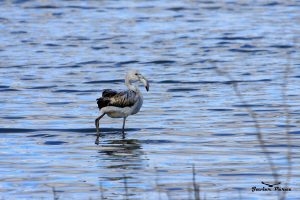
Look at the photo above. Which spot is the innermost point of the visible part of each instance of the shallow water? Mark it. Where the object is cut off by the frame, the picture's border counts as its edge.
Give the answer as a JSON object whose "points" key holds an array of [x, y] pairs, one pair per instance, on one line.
{"points": [[57, 56]]}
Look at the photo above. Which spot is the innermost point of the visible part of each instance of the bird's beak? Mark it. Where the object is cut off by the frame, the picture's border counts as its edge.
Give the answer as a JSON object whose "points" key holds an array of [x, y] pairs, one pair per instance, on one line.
{"points": [[145, 82]]}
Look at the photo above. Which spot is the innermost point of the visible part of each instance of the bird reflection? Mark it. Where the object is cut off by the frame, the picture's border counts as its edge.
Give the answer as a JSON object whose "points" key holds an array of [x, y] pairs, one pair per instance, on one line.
{"points": [[123, 166], [123, 150]]}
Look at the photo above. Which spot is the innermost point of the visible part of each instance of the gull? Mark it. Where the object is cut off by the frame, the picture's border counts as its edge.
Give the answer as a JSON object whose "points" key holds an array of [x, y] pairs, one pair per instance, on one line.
{"points": [[122, 104]]}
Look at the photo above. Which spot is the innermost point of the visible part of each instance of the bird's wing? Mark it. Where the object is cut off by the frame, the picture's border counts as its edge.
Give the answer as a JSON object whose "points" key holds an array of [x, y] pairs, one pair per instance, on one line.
{"points": [[123, 99], [109, 93], [264, 183], [277, 183], [270, 185], [105, 99]]}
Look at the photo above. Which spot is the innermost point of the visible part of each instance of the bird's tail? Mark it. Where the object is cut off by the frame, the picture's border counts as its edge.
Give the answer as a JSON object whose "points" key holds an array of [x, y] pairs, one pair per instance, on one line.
{"points": [[102, 102]]}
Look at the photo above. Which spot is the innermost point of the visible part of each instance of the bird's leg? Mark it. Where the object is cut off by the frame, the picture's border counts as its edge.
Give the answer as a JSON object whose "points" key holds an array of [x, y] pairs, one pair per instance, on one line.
{"points": [[97, 128], [123, 128]]}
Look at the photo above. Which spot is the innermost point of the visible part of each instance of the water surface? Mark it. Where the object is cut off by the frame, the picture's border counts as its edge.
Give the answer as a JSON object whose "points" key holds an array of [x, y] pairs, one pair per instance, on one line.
{"points": [[57, 56]]}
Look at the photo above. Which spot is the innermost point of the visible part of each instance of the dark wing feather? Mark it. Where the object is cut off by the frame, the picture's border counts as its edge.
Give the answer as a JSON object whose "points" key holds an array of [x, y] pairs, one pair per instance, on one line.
{"points": [[277, 183], [102, 102], [109, 93], [113, 98], [123, 99]]}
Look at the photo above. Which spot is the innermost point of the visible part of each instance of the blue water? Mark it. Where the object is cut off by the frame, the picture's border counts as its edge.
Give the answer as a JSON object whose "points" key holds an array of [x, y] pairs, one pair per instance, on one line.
{"points": [[57, 56]]}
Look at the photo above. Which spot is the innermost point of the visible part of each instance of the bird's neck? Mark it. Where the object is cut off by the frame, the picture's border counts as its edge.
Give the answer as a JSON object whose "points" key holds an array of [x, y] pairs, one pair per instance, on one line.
{"points": [[131, 86]]}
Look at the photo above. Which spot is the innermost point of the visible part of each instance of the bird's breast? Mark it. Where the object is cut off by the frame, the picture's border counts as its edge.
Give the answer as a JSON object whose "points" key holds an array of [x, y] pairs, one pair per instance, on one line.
{"points": [[137, 106]]}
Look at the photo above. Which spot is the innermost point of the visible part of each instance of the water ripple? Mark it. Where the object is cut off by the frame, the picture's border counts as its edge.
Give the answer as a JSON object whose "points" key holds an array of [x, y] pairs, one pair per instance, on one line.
{"points": [[57, 56]]}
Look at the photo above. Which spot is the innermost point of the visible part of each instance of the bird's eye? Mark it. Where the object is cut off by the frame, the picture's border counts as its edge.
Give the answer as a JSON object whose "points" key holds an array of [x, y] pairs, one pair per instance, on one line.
{"points": [[136, 74]]}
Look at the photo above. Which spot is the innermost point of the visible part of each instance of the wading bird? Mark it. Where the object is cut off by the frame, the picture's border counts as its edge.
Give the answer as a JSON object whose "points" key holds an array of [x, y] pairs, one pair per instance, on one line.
{"points": [[122, 104]]}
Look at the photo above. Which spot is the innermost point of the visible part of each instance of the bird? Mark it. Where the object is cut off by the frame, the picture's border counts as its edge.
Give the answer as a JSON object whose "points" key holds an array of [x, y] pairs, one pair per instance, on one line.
{"points": [[122, 104], [270, 185]]}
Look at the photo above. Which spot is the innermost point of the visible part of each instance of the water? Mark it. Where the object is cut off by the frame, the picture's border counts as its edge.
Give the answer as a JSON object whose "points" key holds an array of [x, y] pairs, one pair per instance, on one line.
{"points": [[57, 56]]}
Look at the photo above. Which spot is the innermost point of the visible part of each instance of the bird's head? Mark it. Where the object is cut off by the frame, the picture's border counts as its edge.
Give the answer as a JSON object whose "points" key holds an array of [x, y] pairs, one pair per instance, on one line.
{"points": [[135, 75]]}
